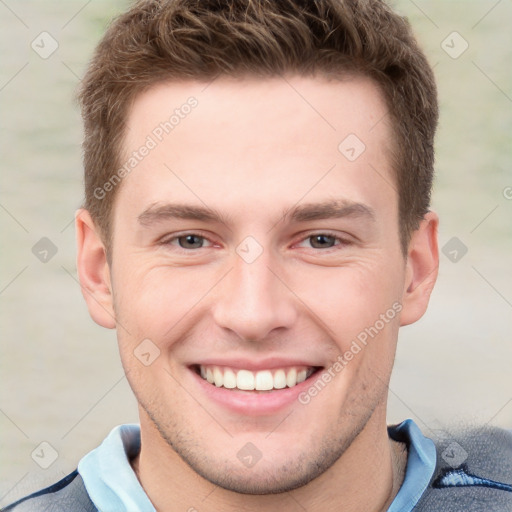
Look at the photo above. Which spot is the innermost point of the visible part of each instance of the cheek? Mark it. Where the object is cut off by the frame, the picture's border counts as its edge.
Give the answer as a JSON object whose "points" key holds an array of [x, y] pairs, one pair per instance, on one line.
{"points": [[163, 303], [348, 301], [154, 301]]}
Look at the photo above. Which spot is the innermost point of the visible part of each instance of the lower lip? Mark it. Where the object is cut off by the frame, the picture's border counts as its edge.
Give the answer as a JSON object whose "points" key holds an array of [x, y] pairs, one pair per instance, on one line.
{"points": [[251, 403]]}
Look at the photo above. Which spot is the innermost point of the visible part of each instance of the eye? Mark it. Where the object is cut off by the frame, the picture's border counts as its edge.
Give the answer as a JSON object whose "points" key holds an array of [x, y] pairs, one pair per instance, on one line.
{"points": [[188, 241], [323, 241], [191, 241]]}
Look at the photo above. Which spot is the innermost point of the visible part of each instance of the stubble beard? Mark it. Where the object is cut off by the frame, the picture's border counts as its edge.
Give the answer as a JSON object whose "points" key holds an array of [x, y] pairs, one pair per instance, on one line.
{"points": [[303, 466]]}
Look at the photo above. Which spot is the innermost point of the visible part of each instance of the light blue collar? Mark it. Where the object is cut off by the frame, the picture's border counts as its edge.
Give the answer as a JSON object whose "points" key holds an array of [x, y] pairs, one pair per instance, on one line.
{"points": [[421, 463], [108, 476]]}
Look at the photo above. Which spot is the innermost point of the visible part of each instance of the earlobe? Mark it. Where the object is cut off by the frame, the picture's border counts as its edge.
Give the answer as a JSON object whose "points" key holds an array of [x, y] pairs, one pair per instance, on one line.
{"points": [[93, 271], [421, 269]]}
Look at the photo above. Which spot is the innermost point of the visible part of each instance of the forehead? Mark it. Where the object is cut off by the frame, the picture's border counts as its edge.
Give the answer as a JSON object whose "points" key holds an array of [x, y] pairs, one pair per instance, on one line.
{"points": [[332, 106], [258, 140]]}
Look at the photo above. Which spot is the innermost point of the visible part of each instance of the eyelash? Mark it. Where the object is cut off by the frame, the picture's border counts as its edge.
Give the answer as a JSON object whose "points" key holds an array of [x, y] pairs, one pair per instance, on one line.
{"points": [[337, 239]]}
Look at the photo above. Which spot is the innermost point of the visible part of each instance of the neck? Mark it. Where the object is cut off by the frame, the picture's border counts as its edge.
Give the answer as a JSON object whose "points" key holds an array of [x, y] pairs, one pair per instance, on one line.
{"points": [[366, 477]]}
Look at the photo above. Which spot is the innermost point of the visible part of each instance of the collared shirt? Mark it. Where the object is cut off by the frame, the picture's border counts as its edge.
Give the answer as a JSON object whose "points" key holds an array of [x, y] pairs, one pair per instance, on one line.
{"points": [[113, 486]]}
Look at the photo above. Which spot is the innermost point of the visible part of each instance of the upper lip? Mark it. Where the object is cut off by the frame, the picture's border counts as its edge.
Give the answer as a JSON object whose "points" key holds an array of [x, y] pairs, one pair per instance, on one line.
{"points": [[256, 365]]}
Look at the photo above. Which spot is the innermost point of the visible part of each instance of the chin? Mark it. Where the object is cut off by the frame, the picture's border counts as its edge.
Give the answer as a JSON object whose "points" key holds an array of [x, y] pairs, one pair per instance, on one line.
{"points": [[272, 477]]}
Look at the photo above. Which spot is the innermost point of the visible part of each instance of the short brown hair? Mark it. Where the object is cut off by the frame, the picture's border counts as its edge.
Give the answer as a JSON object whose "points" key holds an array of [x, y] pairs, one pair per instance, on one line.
{"points": [[165, 40]]}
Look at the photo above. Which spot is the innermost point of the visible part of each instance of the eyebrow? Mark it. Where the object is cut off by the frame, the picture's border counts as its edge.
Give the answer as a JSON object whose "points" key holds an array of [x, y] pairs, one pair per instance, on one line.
{"points": [[157, 213], [301, 213], [334, 209]]}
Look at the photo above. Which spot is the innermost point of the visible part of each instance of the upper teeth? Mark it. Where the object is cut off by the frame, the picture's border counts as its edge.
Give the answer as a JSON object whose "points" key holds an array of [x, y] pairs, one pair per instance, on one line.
{"points": [[263, 380]]}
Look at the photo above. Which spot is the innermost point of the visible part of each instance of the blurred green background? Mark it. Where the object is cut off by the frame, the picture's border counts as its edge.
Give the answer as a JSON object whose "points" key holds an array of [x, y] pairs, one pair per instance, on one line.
{"points": [[61, 379]]}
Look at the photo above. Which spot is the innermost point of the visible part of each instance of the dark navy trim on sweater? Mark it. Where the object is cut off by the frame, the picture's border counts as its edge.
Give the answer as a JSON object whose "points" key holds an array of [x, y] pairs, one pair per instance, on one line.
{"points": [[460, 477], [48, 490]]}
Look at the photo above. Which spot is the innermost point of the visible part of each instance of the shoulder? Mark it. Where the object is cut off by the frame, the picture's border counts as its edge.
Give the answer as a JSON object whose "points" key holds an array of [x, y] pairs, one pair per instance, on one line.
{"points": [[473, 471], [63, 496]]}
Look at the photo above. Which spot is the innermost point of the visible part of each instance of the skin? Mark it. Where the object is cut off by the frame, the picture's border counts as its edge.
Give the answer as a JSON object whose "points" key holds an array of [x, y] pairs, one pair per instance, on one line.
{"points": [[252, 150]]}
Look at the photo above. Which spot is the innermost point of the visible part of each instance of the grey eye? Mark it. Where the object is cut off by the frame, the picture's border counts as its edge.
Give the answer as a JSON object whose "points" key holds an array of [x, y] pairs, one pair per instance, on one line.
{"points": [[191, 241], [322, 241]]}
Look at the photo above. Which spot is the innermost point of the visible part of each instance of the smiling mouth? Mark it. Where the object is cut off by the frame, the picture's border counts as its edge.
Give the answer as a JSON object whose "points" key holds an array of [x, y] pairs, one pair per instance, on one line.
{"points": [[263, 381]]}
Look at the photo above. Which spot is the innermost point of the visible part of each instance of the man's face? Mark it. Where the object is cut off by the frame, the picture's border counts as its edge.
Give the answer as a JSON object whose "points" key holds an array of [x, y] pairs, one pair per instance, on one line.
{"points": [[298, 257]]}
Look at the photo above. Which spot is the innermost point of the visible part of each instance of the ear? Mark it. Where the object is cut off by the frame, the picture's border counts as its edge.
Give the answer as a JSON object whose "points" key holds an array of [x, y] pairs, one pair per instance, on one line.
{"points": [[421, 269], [93, 271]]}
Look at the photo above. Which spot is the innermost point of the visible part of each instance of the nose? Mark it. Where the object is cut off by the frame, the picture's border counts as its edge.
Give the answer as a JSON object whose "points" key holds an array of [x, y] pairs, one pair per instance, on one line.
{"points": [[253, 301]]}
